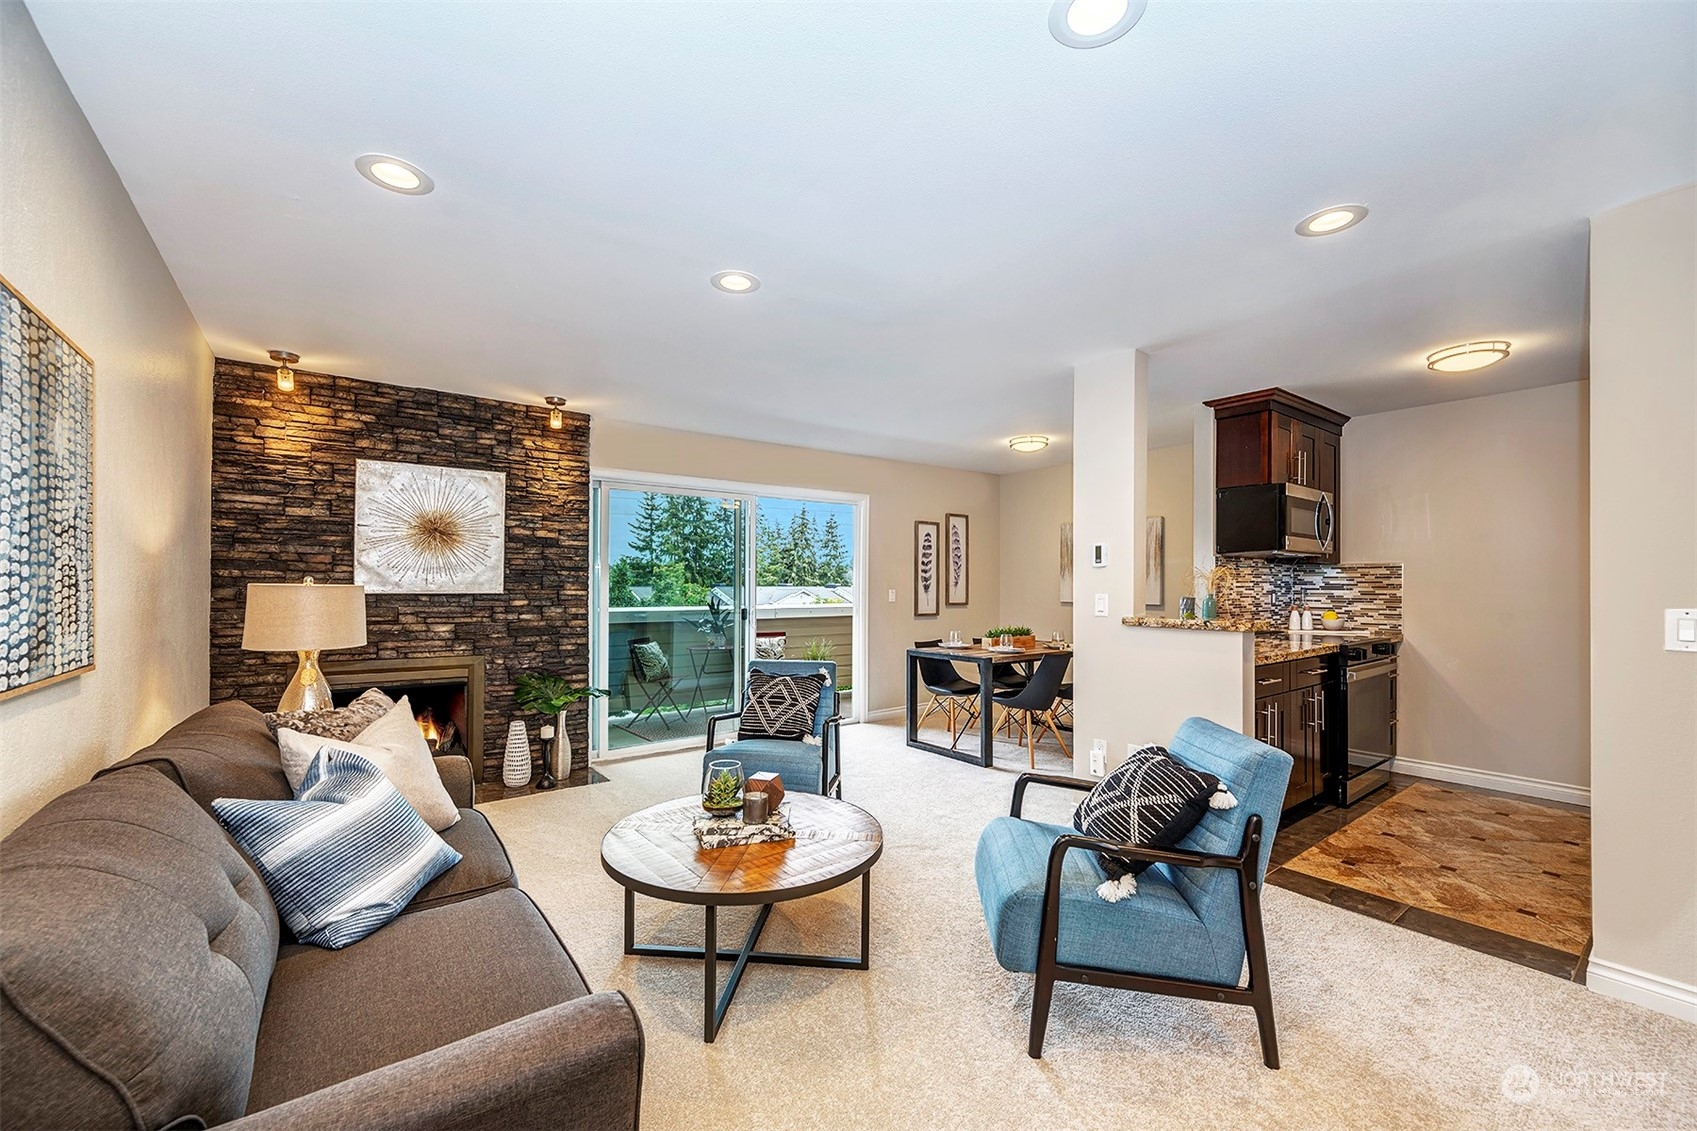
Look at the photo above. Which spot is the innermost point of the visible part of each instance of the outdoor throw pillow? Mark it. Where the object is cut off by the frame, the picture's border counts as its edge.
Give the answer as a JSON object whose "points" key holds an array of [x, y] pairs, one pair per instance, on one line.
{"points": [[346, 857], [1148, 800], [781, 706], [651, 662], [770, 646], [393, 744], [341, 723]]}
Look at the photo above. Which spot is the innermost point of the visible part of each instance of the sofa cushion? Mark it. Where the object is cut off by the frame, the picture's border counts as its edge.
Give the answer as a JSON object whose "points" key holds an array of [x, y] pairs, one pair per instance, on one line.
{"points": [[483, 865], [135, 952], [346, 857], [341, 723], [224, 750], [424, 981]]}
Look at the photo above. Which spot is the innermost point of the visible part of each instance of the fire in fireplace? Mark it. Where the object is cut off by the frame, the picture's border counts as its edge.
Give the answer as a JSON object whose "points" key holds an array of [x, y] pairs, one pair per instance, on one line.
{"points": [[444, 692]]}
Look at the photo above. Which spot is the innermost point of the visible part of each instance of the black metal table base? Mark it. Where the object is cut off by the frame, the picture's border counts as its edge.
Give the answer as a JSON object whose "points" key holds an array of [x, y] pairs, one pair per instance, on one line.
{"points": [[716, 1001]]}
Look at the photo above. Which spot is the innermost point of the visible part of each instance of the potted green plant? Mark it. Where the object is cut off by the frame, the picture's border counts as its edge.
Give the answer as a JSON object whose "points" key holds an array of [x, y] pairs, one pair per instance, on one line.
{"points": [[549, 694], [718, 622]]}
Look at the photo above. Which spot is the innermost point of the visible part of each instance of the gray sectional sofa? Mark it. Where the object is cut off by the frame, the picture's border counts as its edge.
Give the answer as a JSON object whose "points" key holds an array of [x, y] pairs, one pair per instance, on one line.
{"points": [[146, 982]]}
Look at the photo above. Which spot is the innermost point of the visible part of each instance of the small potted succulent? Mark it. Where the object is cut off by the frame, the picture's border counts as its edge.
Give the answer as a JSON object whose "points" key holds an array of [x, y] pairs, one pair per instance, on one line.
{"points": [[721, 787]]}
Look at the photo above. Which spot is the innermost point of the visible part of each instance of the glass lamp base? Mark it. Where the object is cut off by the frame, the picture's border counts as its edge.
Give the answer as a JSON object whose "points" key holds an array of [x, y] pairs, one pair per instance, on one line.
{"points": [[309, 690]]}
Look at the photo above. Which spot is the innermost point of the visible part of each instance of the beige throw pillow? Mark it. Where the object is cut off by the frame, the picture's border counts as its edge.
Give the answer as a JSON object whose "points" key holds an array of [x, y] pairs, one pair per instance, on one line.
{"points": [[395, 745]]}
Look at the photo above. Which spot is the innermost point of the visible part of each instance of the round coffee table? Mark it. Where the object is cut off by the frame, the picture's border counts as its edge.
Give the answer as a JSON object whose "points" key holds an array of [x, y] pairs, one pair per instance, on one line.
{"points": [[655, 852]]}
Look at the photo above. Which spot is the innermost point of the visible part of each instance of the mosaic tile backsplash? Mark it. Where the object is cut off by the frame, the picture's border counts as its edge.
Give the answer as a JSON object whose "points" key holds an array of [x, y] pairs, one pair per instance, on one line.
{"points": [[1366, 596]]}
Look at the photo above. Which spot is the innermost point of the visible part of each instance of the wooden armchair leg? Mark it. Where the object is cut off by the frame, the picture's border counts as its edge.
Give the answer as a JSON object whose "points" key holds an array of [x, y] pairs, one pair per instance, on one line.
{"points": [[1042, 992]]}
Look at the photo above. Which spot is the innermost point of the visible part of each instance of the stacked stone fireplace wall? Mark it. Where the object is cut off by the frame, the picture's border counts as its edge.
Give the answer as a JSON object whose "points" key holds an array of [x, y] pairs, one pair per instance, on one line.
{"points": [[283, 509]]}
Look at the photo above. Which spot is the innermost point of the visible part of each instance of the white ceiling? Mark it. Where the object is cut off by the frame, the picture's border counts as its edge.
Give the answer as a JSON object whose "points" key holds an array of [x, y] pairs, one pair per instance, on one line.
{"points": [[947, 208]]}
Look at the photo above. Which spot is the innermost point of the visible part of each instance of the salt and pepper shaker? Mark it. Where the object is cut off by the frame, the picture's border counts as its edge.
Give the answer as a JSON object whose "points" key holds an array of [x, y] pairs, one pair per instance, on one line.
{"points": [[1307, 619], [1295, 619]]}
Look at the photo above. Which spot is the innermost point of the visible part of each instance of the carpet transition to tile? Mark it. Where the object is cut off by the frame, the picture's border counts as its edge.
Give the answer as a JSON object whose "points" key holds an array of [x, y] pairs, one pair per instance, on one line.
{"points": [[1515, 867]]}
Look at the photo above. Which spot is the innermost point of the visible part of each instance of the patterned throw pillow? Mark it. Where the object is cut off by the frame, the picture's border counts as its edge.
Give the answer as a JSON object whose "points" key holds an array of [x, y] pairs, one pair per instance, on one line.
{"points": [[343, 723], [781, 706], [346, 857], [651, 662], [770, 647], [1149, 800]]}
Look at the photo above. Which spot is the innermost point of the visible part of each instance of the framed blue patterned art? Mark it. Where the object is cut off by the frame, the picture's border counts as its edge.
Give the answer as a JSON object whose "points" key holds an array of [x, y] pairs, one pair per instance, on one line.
{"points": [[46, 500]]}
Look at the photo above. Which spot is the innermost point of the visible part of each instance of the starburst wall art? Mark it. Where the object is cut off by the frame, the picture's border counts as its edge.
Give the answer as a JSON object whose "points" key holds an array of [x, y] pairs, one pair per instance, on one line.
{"points": [[424, 529]]}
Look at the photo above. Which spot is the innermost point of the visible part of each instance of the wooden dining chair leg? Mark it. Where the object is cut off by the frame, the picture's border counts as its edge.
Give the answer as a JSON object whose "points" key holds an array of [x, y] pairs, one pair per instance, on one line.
{"points": [[1055, 729]]}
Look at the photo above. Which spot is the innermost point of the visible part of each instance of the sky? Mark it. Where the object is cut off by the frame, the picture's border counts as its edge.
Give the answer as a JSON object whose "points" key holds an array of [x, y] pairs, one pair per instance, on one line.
{"points": [[622, 508]]}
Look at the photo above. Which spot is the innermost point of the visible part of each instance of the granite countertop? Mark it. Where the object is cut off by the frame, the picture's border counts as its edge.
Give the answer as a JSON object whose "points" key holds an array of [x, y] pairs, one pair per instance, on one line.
{"points": [[1276, 647], [1218, 624]]}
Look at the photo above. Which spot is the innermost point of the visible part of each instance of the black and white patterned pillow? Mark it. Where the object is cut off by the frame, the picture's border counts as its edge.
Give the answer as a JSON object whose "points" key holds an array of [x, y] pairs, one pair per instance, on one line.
{"points": [[1149, 800], [781, 706]]}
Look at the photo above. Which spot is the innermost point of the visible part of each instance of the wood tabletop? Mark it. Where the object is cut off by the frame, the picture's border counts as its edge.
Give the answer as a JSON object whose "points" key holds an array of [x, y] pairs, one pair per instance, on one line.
{"points": [[655, 852], [975, 652]]}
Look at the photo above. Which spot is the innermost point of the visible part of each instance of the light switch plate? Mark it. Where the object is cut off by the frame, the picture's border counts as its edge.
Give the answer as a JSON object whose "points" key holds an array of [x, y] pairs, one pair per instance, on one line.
{"points": [[1681, 630], [1098, 756], [892, 596], [1098, 554], [1101, 604]]}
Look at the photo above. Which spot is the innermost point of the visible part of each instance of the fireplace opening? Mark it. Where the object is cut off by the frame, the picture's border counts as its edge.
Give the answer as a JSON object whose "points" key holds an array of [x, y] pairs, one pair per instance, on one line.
{"points": [[444, 692]]}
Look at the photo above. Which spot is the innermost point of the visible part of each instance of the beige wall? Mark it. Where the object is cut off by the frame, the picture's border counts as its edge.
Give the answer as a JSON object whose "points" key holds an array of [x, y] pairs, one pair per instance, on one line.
{"points": [[1170, 497], [71, 242], [1644, 560], [1034, 505], [1484, 503], [898, 495]]}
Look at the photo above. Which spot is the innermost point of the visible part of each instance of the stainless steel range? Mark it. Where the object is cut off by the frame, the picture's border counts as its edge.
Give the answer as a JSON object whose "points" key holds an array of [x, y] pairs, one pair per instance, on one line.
{"points": [[1363, 752]]}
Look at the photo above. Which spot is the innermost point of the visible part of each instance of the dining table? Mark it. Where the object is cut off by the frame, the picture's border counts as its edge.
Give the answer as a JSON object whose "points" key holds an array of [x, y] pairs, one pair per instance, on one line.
{"points": [[985, 659]]}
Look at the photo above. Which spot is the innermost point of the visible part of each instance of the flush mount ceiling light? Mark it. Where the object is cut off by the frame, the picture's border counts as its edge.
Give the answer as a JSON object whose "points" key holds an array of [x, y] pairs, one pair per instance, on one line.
{"points": [[1466, 357], [556, 412], [1028, 443], [1329, 221], [394, 174], [1091, 23], [285, 375], [735, 282]]}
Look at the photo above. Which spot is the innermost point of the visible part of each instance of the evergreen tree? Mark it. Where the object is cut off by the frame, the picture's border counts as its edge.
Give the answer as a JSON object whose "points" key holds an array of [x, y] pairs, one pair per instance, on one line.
{"points": [[648, 537], [768, 553], [834, 565], [802, 552]]}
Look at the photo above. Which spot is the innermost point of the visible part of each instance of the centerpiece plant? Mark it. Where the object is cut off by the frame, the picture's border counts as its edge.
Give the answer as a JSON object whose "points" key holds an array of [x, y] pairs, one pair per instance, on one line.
{"points": [[549, 694]]}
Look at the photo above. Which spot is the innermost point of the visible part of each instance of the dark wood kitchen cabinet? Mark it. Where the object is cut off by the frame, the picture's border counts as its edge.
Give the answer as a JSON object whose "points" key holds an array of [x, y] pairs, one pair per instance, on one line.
{"points": [[1275, 436], [1290, 713]]}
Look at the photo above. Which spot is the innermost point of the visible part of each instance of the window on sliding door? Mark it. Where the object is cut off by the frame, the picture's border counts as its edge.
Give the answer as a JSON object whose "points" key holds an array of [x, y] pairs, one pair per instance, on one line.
{"points": [[672, 586], [805, 608]]}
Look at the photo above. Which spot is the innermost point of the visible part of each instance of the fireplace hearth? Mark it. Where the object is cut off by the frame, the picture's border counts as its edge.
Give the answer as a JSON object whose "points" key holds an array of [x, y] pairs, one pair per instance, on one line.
{"points": [[445, 693]]}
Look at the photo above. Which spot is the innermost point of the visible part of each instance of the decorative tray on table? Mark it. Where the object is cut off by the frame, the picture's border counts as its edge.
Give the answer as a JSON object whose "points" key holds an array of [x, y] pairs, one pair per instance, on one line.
{"points": [[722, 832]]}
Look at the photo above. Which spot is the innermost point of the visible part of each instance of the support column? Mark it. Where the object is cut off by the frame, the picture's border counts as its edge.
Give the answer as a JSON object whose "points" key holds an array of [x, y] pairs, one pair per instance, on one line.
{"points": [[1202, 490]]}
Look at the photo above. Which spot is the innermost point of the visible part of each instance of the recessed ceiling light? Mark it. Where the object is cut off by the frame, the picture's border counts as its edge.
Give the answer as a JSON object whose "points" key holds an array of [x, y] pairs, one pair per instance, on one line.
{"points": [[394, 174], [1331, 220], [1466, 357], [1028, 443], [1091, 23], [736, 282]]}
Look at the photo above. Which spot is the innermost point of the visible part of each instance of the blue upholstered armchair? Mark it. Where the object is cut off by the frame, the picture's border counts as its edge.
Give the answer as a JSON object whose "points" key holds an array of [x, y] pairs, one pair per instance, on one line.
{"points": [[1197, 911], [806, 767]]}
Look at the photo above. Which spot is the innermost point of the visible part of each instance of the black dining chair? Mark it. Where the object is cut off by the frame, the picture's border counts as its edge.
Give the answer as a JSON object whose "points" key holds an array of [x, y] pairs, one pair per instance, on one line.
{"points": [[1034, 703], [951, 693]]}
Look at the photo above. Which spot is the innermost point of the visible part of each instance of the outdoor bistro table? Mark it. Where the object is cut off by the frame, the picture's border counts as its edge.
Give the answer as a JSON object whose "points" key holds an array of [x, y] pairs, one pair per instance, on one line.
{"points": [[986, 661]]}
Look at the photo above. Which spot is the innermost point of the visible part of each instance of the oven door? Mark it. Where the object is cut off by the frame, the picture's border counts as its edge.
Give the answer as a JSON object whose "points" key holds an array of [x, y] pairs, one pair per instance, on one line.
{"points": [[1308, 520], [1371, 715]]}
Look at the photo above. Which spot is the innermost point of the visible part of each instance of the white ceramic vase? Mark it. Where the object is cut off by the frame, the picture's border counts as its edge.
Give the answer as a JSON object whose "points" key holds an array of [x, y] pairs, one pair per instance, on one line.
{"points": [[515, 767]]}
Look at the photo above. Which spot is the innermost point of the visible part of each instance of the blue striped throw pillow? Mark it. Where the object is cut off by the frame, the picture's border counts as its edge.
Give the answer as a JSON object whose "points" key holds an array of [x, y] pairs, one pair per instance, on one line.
{"points": [[345, 856]]}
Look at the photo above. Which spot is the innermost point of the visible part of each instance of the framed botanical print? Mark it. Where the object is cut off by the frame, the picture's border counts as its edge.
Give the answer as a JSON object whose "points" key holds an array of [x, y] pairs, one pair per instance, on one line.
{"points": [[927, 539], [47, 499], [956, 559]]}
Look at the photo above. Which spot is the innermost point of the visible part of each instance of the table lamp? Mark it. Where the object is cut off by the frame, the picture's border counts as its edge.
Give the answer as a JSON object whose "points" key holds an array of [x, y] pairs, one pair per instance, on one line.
{"points": [[304, 619]]}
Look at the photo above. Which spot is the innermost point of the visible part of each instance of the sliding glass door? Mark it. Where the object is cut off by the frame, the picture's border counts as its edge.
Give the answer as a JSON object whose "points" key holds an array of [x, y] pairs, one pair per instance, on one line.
{"points": [[672, 623]]}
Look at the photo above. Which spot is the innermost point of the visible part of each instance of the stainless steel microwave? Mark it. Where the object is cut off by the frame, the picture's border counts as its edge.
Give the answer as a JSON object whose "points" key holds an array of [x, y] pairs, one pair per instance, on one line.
{"points": [[1273, 520]]}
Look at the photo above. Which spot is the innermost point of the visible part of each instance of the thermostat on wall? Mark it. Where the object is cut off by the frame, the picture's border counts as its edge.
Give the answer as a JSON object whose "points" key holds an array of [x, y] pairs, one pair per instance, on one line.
{"points": [[1098, 554]]}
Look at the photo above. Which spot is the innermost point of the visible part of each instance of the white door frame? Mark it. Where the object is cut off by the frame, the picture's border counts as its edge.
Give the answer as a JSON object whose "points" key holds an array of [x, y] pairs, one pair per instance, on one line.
{"points": [[623, 479]]}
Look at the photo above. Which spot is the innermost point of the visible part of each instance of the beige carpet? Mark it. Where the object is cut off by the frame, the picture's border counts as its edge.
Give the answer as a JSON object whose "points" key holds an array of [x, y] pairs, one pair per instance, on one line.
{"points": [[1379, 1027]]}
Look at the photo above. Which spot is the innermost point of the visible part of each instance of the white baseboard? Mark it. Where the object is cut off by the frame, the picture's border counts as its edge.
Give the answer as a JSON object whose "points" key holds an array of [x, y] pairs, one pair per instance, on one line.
{"points": [[1491, 779], [1664, 995], [885, 713]]}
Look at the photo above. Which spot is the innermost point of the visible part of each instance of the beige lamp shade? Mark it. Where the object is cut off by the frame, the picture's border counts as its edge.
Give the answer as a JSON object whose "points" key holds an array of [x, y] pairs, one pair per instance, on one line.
{"points": [[304, 618]]}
